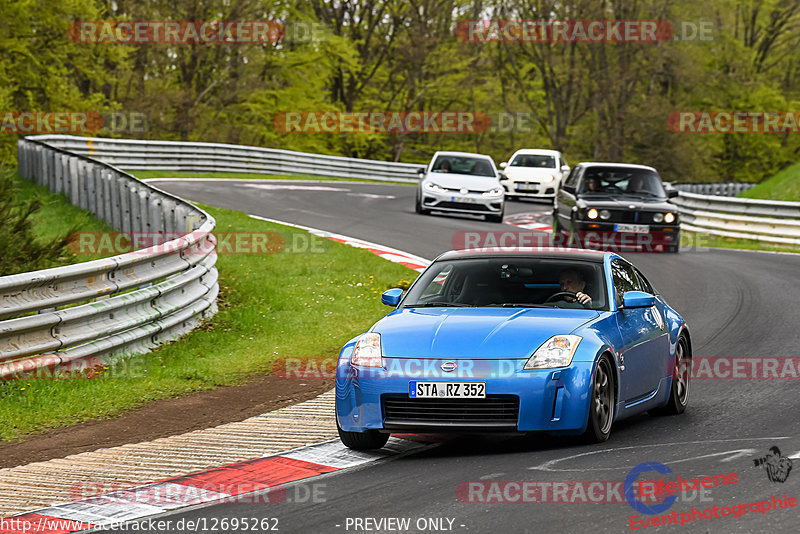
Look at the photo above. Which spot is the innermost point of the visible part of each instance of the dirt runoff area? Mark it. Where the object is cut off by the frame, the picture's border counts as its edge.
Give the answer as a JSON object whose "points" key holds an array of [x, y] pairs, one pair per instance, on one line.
{"points": [[163, 418]]}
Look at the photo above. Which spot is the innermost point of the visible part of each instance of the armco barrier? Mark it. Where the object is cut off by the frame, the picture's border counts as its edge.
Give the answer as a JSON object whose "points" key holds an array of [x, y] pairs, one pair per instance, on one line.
{"points": [[770, 221], [727, 189], [88, 314], [214, 157]]}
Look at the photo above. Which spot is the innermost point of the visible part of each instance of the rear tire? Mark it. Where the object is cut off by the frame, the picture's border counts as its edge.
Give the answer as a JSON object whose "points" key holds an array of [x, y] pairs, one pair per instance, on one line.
{"points": [[362, 441], [679, 393], [601, 404]]}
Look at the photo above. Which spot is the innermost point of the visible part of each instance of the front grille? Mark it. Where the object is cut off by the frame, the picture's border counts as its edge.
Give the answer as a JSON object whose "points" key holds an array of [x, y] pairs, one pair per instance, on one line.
{"points": [[460, 206], [498, 412]]}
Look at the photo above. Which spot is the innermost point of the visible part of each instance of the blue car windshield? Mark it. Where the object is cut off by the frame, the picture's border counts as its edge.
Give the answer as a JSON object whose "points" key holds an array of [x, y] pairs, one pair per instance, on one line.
{"points": [[510, 282]]}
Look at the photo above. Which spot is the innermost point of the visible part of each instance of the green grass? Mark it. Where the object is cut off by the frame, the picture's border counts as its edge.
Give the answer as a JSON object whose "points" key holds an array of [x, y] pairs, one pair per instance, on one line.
{"points": [[701, 239], [249, 175], [295, 304], [58, 218], [783, 186]]}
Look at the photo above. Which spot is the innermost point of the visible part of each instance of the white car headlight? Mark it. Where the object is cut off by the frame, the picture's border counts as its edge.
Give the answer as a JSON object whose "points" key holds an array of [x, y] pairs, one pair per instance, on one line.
{"points": [[669, 218], [548, 179], [555, 352], [496, 192], [433, 187], [658, 217], [368, 352]]}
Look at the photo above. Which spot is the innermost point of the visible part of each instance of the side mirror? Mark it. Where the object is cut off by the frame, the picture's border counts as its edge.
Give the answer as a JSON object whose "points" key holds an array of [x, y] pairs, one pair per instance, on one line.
{"points": [[421, 170], [672, 193], [637, 299], [392, 297], [568, 188], [504, 165], [565, 168]]}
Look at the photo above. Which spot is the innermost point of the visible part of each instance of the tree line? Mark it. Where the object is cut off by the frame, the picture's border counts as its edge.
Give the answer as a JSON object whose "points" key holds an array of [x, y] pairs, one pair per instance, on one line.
{"points": [[594, 99]]}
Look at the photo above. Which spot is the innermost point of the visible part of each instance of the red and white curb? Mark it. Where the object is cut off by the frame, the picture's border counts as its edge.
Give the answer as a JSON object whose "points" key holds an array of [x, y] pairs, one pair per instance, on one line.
{"points": [[260, 480], [391, 254], [529, 221]]}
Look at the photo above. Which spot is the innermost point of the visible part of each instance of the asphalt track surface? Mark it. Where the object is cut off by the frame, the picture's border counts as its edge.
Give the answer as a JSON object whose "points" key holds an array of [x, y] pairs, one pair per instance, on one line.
{"points": [[736, 303]]}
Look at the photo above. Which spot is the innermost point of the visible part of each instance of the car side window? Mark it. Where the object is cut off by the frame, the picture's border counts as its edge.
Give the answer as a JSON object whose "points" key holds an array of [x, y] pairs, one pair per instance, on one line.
{"points": [[647, 287], [624, 279]]}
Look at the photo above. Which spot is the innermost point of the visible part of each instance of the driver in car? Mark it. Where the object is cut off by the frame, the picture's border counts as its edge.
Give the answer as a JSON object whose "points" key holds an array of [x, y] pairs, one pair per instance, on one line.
{"points": [[572, 281]]}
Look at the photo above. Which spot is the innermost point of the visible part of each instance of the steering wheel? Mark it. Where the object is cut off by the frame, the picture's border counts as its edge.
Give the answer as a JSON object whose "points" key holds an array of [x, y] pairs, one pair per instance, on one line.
{"points": [[561, 293]]}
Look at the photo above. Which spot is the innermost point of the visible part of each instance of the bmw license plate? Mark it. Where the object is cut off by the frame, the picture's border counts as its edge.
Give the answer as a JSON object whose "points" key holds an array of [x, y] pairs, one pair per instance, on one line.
{"points": [[447, 390], [632, 228]]}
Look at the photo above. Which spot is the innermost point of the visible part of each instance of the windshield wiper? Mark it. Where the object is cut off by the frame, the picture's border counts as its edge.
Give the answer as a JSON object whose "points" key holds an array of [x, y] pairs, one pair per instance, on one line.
{"points": [[439, 304]]}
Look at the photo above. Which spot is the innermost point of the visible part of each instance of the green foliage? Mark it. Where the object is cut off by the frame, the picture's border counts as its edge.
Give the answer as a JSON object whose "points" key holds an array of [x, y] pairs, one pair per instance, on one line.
{"points": [[785, 185], [20, 249], [592, 100]]}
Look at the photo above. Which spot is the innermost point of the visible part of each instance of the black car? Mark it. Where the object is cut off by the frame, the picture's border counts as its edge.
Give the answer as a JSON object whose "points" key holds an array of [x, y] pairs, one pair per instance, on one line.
{"points": [[616, 205]]}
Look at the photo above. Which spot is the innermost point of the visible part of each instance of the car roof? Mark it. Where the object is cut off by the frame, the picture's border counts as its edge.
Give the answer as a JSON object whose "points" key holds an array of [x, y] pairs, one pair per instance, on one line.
{"points": [[607, 164], [466, 154], [538, 252], [535, 152]]}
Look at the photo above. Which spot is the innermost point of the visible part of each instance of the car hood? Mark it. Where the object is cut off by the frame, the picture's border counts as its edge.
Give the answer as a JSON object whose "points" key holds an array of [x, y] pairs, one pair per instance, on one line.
{"points": [[476, 333], [459, 181], [622, 202], [530, 172]]}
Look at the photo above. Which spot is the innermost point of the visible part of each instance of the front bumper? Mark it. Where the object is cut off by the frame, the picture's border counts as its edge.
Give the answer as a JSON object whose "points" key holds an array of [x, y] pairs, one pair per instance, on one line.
{"points": [[456, 202], [530, 188], [601, 235], [553, 400]]}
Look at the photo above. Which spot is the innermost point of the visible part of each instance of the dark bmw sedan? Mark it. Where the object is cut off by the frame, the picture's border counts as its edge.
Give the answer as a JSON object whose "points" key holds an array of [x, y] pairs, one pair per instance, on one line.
{"points": [[616, 206]]}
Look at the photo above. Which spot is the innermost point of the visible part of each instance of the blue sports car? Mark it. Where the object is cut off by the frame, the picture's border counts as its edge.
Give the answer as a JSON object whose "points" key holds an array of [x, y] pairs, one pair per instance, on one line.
{"points": [[548, 340]]}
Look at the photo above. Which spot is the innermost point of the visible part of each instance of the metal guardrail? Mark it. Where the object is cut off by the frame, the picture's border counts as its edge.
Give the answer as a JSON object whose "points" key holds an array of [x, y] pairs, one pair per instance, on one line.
{"points": [[214, 157], [89, 314], [727, 189], [770, 221]]}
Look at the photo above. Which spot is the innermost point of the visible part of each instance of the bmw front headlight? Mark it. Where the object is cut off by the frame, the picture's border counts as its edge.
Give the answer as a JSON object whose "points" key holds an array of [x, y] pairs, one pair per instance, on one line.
{"points": [[555, 352], [658, 217], [669, 218], [368, 352], [433, 187], [496, 192]]}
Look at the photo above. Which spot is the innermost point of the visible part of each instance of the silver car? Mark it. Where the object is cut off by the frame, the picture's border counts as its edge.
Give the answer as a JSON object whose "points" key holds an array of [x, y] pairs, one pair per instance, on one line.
{"points": [[461, 182]]}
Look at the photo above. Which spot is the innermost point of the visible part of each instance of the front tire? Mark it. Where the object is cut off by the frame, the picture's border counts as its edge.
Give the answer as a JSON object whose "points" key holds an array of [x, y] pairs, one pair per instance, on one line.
{"points": [[418, 207], [679, 393], [602, 402], [362, 441]]}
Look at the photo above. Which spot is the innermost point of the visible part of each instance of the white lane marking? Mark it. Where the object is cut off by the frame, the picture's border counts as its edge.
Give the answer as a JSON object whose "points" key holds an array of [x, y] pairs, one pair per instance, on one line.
{"points": [[352, 241], [369, 195], [296, 187], [742, 453], [548, 466], [335, 454], [794, 456]]}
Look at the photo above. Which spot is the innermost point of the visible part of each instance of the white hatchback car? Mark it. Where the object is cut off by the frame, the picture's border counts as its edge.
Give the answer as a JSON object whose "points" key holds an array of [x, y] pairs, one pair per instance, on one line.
{"points": [[461, 182], [533, 173]]}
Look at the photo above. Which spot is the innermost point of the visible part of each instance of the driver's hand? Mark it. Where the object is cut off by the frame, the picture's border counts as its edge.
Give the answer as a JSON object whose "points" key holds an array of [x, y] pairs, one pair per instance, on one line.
{"points": [[583, 298]]}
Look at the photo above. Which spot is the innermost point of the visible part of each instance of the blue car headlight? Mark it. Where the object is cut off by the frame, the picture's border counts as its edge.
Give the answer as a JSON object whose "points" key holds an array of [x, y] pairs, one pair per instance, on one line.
{"points": [[368, 351], [555, 352]]}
